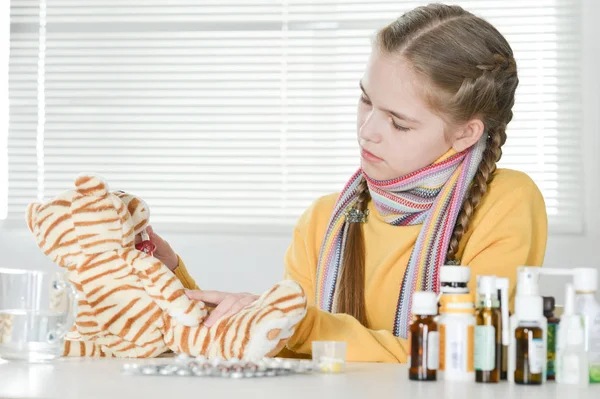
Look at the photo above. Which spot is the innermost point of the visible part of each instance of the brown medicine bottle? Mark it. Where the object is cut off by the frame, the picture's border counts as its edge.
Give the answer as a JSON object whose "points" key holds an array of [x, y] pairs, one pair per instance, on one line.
{"points": [[530, 347], [424, 339]]}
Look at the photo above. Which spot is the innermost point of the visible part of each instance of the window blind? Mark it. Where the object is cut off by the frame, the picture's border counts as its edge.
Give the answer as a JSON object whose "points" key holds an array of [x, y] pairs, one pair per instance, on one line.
{"points": [[244, 112], [4, 48]]}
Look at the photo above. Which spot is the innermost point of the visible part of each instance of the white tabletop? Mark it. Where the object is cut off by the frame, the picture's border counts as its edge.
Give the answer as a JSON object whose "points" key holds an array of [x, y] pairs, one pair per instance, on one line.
{"points": [[102, 378]]}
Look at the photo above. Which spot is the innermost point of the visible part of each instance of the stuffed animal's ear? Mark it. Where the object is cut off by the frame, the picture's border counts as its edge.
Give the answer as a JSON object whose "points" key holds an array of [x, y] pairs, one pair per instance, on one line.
{"points": [[91, 184], [31, 215], [99, 217], [137, 208]]}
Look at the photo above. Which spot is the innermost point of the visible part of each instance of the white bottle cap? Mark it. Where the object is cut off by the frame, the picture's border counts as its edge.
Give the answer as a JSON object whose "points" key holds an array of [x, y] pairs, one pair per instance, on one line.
{"points": [[487, 286], [529, 308], [528, 281], [424, 303], [455, 274], [585, 279]]}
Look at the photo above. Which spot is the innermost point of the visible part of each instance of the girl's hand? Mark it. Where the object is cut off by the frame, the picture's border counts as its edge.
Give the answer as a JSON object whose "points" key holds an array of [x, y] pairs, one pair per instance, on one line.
{"points": [[227, 304], [163, 251]]}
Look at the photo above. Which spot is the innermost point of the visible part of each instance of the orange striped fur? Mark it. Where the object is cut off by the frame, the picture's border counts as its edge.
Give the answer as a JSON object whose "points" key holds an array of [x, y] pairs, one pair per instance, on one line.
{"points": [[129, 303]]}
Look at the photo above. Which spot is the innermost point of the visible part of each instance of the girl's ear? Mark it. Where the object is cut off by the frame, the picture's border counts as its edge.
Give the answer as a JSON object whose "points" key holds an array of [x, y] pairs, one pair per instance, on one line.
{"points": [[468, 134]]}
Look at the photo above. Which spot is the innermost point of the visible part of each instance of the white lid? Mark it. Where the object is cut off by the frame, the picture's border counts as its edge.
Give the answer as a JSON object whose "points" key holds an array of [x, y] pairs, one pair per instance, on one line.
{"points": [[527, 281], [529, 308], [585, 279], [424, 303], [455, 274], [487, 286]]}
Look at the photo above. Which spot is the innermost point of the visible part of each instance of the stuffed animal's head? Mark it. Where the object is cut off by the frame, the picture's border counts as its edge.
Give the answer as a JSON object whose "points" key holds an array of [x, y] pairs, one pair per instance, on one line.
{"points": [[86, 221]]}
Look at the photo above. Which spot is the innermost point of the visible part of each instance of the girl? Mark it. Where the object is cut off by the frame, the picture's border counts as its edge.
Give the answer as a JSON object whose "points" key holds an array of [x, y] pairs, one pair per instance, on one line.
{"points": [[437, 96]]}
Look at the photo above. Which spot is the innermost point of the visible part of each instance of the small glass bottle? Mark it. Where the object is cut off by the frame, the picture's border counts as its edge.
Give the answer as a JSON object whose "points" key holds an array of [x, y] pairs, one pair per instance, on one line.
{"points": [[552, 328], [488, 332], [530, 348], [424, 338]]}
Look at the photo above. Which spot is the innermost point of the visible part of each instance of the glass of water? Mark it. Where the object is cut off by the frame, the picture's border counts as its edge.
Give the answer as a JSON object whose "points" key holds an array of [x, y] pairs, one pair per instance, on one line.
{"points": [[37, 309]]}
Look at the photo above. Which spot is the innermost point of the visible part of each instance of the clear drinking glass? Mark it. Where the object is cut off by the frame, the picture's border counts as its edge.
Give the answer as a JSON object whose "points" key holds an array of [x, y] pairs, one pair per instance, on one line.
{"points": [[37, 309], [329, 356]]}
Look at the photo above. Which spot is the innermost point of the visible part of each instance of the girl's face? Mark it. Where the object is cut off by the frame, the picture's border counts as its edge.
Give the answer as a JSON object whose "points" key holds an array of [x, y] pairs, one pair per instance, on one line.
{"points": [[397, 132]]}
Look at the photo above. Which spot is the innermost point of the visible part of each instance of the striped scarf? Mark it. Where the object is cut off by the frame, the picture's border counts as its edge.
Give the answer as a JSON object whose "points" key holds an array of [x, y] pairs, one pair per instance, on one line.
{"points": [[432, 196]]}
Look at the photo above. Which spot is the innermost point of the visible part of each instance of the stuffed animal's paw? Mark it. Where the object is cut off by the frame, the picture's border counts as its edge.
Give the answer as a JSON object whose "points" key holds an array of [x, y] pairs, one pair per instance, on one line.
{"points": [[276, 314], [261, 328], [185, 318]]}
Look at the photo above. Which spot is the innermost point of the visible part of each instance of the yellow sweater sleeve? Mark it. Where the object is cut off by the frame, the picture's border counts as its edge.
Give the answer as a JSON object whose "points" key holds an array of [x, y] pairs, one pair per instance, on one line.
{"points": [[183, 275], [363, 344]]}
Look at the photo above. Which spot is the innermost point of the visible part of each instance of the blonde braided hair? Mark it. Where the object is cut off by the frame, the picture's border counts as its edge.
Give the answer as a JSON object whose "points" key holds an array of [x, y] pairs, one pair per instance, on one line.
{"points": [[352, 280]]}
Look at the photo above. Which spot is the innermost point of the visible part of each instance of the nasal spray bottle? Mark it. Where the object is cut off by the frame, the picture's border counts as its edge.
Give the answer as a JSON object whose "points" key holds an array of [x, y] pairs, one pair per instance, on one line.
{"points": [[571, 358], [527, 294], [585, 281]]}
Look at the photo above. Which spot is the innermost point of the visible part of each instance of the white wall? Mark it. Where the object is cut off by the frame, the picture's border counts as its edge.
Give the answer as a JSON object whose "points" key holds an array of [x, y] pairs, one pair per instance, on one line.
{"points": [[251, 261], [221, 262]]}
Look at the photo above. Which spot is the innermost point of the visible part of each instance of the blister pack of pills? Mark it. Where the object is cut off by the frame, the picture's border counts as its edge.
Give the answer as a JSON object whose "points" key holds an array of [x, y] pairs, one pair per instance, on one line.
{"points": [[185, 366]]}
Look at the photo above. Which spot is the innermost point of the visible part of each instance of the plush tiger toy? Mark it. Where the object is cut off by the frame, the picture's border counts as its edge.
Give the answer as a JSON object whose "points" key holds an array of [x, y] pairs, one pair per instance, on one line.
{"points": [[129, 303]]}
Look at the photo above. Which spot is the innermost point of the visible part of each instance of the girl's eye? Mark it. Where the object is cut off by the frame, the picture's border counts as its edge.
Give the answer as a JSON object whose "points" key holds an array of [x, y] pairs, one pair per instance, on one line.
{"points": [[398, 127], [365, 100]]}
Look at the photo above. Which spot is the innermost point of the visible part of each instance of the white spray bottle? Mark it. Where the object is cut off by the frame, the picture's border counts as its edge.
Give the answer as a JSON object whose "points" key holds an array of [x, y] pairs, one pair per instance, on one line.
{"points": [[585, 281], [527, 286], [571, 357]]}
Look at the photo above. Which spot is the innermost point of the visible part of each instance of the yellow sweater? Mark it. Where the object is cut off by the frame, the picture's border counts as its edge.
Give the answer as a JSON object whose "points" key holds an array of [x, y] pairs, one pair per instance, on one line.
{"points": [[508, 230]]}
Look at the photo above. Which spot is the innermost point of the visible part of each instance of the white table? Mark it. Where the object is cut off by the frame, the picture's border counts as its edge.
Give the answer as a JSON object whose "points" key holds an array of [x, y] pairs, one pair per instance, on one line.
{"points": [[102, 378]]}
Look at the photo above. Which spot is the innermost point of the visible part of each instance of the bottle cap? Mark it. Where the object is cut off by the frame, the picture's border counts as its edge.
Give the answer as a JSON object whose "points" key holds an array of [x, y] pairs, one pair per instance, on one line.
{"points": [[549, 304], [529, 308], [487, 286], [424, 303], [455, 274], [527, 281], [585, 279]]}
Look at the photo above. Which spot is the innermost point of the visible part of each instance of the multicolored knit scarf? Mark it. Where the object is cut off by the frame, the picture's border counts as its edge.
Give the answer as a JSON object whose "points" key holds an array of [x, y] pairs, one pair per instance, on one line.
{"points": [[432, 196]]}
